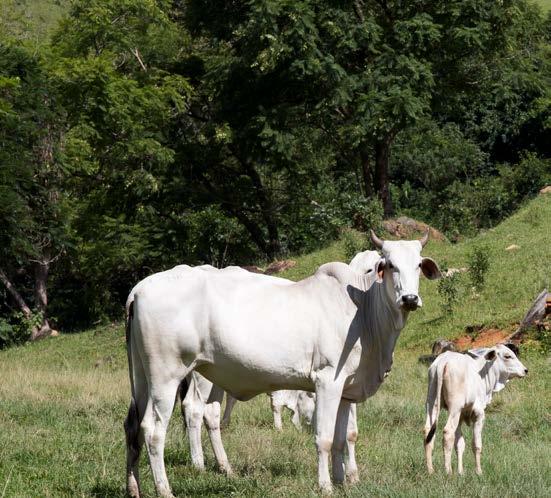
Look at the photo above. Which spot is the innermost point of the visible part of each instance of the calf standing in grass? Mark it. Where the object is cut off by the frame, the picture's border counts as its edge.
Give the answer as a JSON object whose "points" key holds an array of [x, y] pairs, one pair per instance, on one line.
{"points": [[464, 384]]}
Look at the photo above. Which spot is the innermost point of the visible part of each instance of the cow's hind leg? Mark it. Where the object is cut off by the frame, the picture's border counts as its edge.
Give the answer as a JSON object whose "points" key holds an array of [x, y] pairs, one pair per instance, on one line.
{"points": [[230, 403], [477, 439], [351, 438], [134, 442], [212, 421], [339, 441], [459, 447], [449, 439], [159, 408], [429, 432], [133, 430]]}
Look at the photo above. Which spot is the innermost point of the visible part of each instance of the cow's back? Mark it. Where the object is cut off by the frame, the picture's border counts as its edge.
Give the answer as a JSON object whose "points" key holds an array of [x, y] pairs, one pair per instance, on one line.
{"points": [[269, 331], [462, 385]]}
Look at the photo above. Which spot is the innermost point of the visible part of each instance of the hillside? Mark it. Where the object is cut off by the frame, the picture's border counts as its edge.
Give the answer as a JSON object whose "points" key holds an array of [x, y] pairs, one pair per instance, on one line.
{"points": [[32, 20], [63, 401], [513, 279]]}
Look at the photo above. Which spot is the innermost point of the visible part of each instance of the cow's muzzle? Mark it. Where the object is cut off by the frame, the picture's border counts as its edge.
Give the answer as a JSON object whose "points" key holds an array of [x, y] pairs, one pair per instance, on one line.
{"points": [[410, 302]]}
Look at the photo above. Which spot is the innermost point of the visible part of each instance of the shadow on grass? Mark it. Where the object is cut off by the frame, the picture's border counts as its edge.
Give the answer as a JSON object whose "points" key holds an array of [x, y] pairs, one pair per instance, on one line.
{"points": [[107, 490], [434, 321]]}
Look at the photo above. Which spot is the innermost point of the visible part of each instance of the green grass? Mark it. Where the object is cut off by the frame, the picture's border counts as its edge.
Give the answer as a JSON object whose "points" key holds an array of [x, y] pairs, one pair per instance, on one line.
{"points": [[31, 20], [63, 401], [544, 4]]}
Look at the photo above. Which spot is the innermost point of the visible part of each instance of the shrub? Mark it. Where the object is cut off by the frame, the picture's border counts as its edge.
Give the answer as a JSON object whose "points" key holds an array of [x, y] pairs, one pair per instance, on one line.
{"points": [[353, 244], [478, 264], [448, 290], [16, 328]]}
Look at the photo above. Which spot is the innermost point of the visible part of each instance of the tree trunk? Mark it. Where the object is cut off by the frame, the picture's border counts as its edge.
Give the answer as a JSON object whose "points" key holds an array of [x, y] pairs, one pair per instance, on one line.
{"points": [[267, 211], [367, 174], [382, 156], [16, 296], [36, 332], [41, 270]]}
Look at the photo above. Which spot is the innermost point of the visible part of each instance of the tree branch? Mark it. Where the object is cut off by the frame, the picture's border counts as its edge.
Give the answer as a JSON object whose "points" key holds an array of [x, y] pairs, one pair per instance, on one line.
{"points": [[136, 54]]}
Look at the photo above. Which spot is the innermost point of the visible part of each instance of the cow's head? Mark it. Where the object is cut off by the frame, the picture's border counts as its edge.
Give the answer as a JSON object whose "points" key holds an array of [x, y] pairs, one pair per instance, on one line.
{"points": [[507, 364], [400, 268], [306, 405]]}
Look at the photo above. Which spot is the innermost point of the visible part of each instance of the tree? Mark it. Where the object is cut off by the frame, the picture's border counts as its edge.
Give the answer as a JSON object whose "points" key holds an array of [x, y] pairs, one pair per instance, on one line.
{"points": [[34, 216]]}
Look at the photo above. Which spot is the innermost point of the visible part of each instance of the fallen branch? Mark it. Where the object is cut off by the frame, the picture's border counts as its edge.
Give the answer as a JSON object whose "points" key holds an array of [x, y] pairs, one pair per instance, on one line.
{"points": [[536, 312]]}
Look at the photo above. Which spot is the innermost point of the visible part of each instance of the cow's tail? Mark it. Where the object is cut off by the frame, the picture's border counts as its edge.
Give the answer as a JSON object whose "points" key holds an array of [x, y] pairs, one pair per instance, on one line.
{"points": [[132, 422], [435, 411]]}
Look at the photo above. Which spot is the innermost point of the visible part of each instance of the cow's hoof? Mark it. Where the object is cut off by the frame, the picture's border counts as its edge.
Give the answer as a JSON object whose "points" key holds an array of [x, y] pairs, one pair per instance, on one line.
{"points": [[353, 477], [132, 488], [326, 489], [227, 470]]}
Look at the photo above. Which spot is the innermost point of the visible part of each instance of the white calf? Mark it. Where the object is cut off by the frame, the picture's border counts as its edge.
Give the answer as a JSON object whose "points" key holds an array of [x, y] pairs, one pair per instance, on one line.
{"points": [[464, 384], [301, 404], [201, 400]]}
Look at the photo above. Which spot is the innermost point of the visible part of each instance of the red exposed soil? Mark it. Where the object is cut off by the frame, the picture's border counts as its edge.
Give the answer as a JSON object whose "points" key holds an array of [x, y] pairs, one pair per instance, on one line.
{"points": [[485, 338]]}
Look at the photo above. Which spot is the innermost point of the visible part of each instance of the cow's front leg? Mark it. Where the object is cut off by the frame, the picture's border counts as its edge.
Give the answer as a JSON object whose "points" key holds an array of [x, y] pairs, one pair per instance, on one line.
{"points": [[328, 397], [339, 441], [351, 438], [276, 412]]}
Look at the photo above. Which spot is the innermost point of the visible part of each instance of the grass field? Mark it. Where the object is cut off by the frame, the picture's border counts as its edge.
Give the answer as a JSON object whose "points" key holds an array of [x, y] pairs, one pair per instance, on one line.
{"points": [[63, 401]]}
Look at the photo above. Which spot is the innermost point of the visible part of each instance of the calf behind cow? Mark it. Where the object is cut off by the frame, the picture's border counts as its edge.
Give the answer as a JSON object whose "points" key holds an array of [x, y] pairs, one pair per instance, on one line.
{"points": [[464, 385]]}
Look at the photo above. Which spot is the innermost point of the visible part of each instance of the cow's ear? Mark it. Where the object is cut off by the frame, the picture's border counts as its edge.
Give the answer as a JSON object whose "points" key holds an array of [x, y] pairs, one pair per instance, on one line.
{"points": [[430, 269], [514, 348], [490, 355], [380, 268]]}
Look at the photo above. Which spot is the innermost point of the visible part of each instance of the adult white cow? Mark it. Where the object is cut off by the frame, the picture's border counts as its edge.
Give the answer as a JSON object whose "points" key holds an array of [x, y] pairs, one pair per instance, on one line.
{"points": [[333, 333], [464, 385]]}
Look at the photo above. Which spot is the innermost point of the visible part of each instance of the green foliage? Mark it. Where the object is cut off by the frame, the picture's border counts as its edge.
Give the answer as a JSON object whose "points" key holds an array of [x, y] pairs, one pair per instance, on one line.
{"points": [[478, 264], [147, 134], [449, 288], [353, 243], [17, 328]]}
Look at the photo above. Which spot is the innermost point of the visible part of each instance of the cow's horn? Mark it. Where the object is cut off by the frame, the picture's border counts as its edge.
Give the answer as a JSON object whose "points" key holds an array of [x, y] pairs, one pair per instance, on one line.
{"points": [[425, 238], [376, 240]]}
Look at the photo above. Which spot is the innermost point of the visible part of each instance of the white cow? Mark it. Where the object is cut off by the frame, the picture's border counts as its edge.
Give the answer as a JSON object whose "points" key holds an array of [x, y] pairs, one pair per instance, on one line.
{"points": [[464, 385], [333, 333]]}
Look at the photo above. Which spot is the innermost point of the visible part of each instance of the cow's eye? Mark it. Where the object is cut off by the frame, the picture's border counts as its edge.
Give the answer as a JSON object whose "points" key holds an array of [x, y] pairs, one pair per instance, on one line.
{"points": [[508, 356]]}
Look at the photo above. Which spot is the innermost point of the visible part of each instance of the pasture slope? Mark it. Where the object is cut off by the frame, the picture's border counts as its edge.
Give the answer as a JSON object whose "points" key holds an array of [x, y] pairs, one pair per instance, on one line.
{"points": [[63, 401]]}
